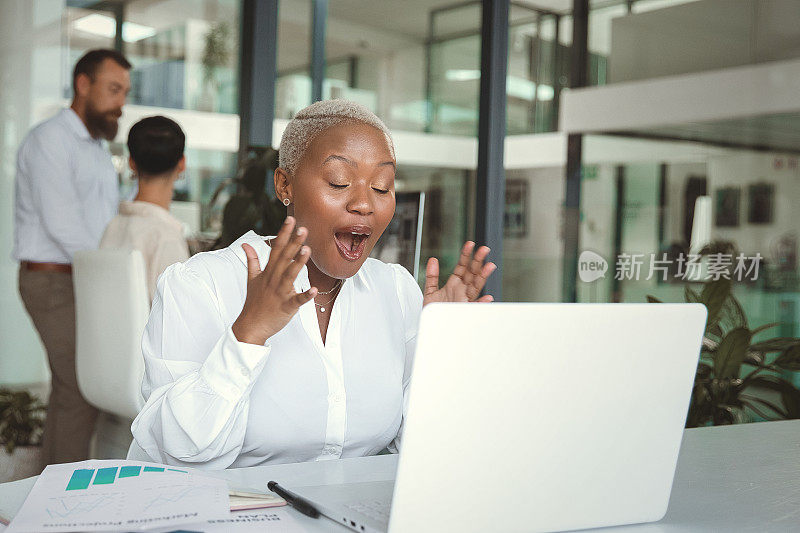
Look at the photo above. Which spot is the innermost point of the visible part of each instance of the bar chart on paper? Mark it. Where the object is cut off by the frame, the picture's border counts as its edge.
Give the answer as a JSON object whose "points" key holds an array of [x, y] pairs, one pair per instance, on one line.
{"points": [[83, 477], [104, 495]]}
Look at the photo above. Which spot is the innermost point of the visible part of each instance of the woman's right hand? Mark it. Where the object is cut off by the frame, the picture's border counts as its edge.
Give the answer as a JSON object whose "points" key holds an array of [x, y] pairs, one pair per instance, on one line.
{"points": [[271, 300]]}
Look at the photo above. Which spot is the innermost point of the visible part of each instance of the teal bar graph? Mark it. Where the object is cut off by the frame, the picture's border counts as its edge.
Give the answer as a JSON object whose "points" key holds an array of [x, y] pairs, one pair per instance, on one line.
{"points": [[80, 479], [105, 476], [129, 471]]}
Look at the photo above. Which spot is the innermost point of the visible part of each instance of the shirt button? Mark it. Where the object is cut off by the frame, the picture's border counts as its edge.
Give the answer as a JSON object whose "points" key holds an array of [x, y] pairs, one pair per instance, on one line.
{"points": [[244, 371]]}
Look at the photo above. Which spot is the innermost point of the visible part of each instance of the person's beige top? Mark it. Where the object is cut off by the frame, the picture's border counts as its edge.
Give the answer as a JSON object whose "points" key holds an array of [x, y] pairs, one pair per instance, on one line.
{"points": [[150, 229]]}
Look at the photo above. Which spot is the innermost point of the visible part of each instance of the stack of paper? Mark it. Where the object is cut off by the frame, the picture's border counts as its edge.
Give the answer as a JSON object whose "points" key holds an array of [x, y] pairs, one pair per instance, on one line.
{"points": [[242, 501]]}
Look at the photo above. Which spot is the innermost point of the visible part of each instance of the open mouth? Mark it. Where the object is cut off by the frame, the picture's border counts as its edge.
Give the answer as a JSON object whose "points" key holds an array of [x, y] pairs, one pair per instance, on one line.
{"points": [[352, 242]]}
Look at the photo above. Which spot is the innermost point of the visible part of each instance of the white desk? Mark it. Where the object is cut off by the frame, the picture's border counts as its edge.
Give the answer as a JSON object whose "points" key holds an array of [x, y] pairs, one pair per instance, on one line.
{"points": [[734, 478]]}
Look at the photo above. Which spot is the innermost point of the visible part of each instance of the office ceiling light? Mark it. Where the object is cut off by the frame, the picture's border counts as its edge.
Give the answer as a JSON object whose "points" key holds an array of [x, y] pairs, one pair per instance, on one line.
{"points": [[545, 93], [132, 32], [525, 89], [462, 74], [515, 86], [104, 26], [520, 88]]}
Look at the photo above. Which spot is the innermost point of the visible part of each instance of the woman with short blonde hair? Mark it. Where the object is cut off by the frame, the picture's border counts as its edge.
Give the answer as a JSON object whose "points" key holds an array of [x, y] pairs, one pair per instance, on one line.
{"points": [[296, 347]]}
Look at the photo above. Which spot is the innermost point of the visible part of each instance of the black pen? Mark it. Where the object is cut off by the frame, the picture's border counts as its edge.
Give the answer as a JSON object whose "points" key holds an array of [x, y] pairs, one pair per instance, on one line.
{"points": [[301, 504]]}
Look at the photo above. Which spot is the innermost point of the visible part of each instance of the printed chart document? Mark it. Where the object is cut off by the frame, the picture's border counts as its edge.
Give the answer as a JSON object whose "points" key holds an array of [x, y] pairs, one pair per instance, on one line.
{"points": [[260, 521], [119, 496]]}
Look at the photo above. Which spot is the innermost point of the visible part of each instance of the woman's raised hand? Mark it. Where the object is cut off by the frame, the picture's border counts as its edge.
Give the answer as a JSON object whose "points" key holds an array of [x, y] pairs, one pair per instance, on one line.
{"points": [[271, 300], [466, 281]]}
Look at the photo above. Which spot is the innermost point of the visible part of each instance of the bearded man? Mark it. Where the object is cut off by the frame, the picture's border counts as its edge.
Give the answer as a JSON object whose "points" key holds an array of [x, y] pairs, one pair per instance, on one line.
{"points": [[65, 194]]}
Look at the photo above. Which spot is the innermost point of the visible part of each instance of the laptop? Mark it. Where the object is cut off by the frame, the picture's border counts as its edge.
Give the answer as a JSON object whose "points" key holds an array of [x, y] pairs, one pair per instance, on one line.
{"points": [[535, 417]]}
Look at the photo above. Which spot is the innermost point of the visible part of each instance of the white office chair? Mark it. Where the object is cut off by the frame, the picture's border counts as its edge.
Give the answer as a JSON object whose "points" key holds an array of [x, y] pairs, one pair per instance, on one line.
{"points": [[111, 309]]}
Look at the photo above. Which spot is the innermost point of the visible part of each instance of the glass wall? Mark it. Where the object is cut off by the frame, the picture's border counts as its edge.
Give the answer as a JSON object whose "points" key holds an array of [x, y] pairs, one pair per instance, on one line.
{"points": [[533, 246], [293, 84], [696, 200], [189, 62], [748, 200], [448, 212], [31, 67], [179, 61], [185, 57], [537, 70], [669, 190], [421, 71]]}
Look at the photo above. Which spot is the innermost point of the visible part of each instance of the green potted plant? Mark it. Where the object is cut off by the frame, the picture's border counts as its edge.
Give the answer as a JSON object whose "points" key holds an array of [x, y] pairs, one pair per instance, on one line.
{"points": [[739, 378], [216, 54], [21, 426]]}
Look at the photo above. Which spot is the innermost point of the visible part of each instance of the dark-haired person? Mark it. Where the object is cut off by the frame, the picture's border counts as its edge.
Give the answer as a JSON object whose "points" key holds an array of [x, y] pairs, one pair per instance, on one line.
{"points": [[65, 194], [156, 158]]}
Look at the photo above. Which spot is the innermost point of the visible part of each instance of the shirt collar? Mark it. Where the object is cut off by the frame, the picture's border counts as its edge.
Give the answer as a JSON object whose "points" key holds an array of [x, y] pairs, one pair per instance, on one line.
{"points": [[361, 276], [257, 242], [76, 124], [147, 209]]}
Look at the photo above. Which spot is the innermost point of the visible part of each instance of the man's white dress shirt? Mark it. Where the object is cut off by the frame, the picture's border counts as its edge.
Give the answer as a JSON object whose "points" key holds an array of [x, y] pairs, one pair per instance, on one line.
{"points": [[215, 402], [149, 228], [65, 193]]}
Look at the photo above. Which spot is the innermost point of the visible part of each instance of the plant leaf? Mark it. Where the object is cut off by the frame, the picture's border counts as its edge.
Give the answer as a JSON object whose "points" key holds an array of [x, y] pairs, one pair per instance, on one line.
{"points": [[778, 344], [731, 353], [748, 400], [789, 394], [789, 359], [714, 295], [653, 300], [732, 315], [690, 296], [765, 327]]}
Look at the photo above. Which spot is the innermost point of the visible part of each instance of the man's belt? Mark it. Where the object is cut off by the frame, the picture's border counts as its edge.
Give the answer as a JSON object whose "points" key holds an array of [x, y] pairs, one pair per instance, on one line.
{"points": [[65, 268]]}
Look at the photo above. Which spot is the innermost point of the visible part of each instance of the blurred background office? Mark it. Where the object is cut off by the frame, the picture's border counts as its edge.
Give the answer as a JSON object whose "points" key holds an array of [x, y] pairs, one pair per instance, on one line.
{"points": [[617, 115]]}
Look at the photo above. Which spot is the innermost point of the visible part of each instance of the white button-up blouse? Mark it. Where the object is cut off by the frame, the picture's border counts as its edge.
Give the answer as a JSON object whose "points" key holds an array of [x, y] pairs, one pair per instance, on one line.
{"points": [[215, 402]]}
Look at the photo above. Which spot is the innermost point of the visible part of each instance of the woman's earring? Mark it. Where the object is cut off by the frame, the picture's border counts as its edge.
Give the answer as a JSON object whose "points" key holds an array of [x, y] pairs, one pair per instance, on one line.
{"points": [[286, 202]]}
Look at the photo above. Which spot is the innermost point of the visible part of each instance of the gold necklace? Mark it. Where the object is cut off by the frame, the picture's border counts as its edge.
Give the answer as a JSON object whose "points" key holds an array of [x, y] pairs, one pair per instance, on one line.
{"points": [[322, 306], [338, 283]]}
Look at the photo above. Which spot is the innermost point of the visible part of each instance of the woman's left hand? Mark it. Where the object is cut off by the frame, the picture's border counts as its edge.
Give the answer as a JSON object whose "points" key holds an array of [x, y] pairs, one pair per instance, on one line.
{"points": [[466, 281]]}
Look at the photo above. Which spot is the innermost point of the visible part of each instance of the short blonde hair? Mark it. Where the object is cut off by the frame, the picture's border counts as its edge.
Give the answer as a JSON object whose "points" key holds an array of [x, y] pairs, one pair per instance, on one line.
{"points": [[318, 117]]}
